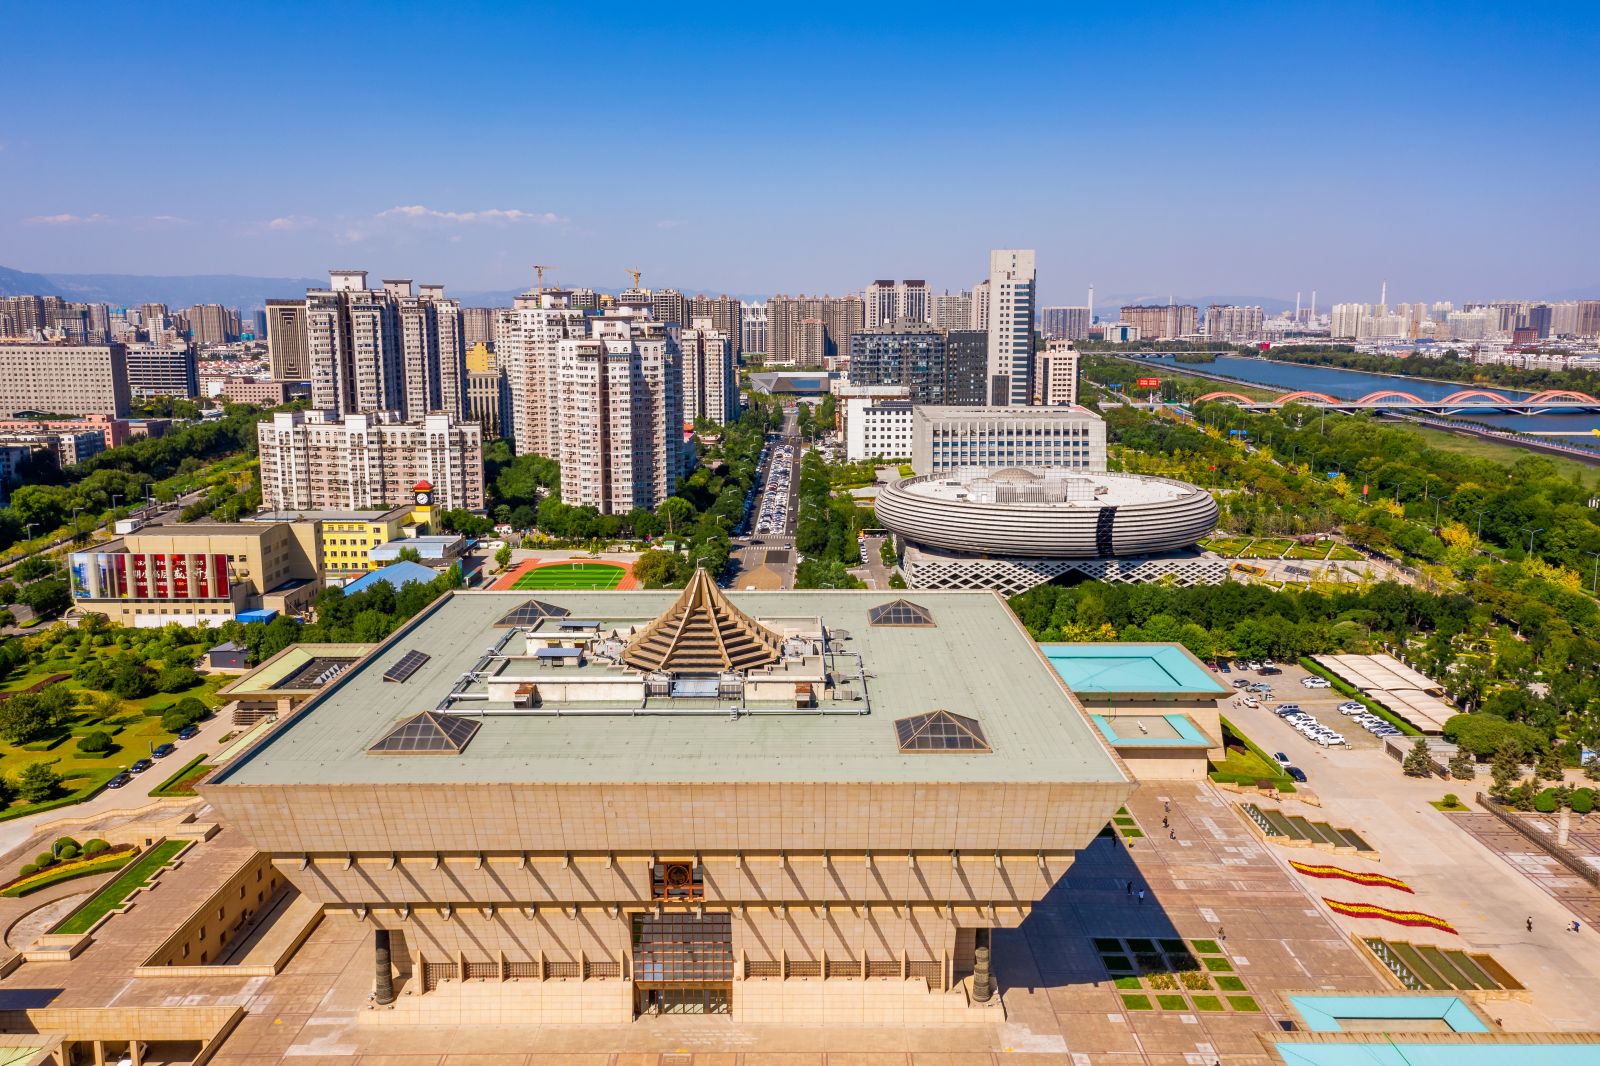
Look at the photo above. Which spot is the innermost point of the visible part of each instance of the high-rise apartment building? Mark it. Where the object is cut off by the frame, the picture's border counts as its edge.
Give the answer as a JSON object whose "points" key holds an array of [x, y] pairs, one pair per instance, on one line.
{"points": [[980, 306], [433, 352], [20, 316], [163, 370], [669, 306], [620, 410], [477, 327], [952, 311], [1011, 315], [1064, 323], [527, 335], [888, 302], [906, 354], [488, 398], [64, 379], [1587, 319], [721, 313], [212, 324], [966, 367], [353, 346], [286, 340], [811, 330], [1055, 374], [155, 320], [710, 382], [1234, 325], [753, 329], [1163, 322], [318, 460]]}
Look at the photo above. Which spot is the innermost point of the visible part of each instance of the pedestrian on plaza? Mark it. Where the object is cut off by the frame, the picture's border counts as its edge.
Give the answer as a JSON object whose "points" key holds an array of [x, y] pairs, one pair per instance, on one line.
{"points": [[1574, 921], [1222, 934], [1163, 821], [1530, 923], [1172, 834], [1141, 900], [1166, 806]]}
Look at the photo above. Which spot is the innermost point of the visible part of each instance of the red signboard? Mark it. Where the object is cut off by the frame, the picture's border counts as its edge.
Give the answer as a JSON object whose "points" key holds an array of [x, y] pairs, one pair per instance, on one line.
{"points": [[1149, 383]]}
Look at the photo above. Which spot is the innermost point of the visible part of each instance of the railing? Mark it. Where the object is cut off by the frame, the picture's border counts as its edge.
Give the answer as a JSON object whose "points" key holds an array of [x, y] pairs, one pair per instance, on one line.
{"points": [[1565, 857]]}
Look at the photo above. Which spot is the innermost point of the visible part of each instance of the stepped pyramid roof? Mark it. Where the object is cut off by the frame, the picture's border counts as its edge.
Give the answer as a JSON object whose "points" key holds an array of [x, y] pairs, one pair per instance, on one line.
{"points": [[702, 633]]}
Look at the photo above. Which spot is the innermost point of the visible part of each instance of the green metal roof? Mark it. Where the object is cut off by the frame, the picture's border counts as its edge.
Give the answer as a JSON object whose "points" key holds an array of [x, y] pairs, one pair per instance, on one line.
{"points": [[976, 661]]}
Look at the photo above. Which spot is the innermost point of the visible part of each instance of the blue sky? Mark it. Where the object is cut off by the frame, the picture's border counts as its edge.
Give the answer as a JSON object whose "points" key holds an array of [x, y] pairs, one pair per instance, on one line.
{"points": [[1239, 148]]}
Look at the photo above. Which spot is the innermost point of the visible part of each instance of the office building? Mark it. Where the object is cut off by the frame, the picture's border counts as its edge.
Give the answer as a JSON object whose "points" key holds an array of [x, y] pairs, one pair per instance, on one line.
{"points": [[812, 331], [262, 393], [113, 432], [952, 808], [1011, 299], [710, 381], [669, 306], [875, 421], [952, 311], [950, 438], [212, 324], [889, 302], [317, 460], [477, 326], [1065, 323], [163, 370], [619, 406], [1234, 325], [527, 335], [966, 367], [1162, 322], [286, 340], [723, 314], [199, 573], [346, 539], [907, 354], [62, 448], [1055, 374], [753, 330], [64, 379], [1118, 332]]}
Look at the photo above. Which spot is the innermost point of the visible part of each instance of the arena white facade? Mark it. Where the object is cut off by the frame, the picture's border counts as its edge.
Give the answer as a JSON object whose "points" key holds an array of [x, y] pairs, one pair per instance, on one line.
{"points": [[1012, 528]]}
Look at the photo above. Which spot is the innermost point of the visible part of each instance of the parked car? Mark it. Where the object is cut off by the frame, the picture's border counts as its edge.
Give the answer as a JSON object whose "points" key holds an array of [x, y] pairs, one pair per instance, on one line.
{"points": [[1283, 760], [140, 766], [120, 780], [1270, 669], [1223, 667], [188, 732], [1352, 707], [1240, 682], [1296, 773], [162, 751]]}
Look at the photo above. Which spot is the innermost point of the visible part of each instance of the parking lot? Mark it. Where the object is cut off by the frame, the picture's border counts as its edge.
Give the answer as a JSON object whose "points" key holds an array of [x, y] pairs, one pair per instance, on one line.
{"points": [[1278, 734], [775, 510]]}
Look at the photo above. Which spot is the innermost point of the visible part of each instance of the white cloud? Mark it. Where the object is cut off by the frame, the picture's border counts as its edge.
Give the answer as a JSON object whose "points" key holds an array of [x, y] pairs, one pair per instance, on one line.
{"points": [[289, 223], [670, 223], [169, 220], [493, 214], [66, 219]]}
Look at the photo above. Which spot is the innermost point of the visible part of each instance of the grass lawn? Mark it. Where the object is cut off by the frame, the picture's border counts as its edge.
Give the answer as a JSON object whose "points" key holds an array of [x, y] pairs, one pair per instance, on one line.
{"points": [[1131, 1002], [182, 782], [1309, 551], [1226, 546], [1345, 554], [1206, 947], [1172, 1002], [572, 576], [1218, 965], [112, 896], [1230, 984], [1243, 1003], [1127, 983], [1506, 454], [1269, 548], [1211, 1003]]}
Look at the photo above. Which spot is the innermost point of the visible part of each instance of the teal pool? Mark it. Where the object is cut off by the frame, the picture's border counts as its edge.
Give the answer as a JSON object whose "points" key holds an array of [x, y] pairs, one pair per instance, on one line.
{"points": [[1389, 1053], [1132, 669], [1337, 1014]]}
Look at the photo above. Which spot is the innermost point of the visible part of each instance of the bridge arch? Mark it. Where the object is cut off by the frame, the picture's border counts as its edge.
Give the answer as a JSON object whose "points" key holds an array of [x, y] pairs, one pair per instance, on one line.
{"points": [[1389, 394], [1305, 394], [1234, 396], [1561, 394], [1479, 394]]}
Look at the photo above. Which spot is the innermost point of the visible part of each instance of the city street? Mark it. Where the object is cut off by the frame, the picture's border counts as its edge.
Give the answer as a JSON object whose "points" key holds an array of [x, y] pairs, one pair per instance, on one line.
{"points": [[766, 559]]}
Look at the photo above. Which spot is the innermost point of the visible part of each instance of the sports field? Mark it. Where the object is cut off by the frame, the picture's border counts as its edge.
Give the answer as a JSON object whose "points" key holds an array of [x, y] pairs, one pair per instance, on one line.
{"points": [[571, 576]]}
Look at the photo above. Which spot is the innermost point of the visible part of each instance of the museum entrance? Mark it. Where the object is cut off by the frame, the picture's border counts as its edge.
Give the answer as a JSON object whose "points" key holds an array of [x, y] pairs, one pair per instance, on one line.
{"points": [[683, 963]]}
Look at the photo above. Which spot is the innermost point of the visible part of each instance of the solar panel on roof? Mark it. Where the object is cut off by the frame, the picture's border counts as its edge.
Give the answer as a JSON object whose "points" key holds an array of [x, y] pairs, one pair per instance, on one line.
{"points": [[899, 613], [529, 612], [409, 664]]}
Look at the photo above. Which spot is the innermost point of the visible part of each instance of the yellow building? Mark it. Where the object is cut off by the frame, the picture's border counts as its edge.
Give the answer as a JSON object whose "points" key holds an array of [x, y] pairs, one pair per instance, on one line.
{"points": [[348, 538], [480, 360]]}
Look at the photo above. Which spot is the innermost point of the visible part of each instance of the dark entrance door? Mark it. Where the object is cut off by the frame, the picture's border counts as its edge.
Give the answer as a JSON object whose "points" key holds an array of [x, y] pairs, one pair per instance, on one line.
{"points": [[683, 964]]}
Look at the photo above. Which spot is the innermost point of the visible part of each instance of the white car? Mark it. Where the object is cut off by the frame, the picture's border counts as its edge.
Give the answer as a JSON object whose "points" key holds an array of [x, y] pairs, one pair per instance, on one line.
{"points": [[1316, 682]]}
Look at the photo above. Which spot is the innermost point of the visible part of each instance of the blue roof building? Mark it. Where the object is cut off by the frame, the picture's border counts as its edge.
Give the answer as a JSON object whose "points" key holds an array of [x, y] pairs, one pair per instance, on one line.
{"points": [[396, 574]]}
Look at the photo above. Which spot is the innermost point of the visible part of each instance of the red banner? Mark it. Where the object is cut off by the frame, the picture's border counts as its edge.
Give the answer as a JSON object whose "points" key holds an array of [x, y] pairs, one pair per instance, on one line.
{"points": [[1149, 383]]}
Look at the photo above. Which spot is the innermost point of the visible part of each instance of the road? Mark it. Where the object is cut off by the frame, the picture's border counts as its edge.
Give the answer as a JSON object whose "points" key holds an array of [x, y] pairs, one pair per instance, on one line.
{"points": [[774, 548]]}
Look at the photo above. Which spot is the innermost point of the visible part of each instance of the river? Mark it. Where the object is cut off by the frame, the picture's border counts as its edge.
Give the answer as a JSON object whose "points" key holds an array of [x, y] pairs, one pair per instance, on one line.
{"points": [[1354, 384]]}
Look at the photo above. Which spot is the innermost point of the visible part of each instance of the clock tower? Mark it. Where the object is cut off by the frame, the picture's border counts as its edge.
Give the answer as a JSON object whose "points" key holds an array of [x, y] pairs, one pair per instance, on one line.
{"points": [[422, 497]]}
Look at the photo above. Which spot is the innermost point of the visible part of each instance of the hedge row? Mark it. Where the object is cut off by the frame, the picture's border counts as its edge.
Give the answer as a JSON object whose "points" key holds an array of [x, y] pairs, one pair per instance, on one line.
{"points": [[56, 874]]}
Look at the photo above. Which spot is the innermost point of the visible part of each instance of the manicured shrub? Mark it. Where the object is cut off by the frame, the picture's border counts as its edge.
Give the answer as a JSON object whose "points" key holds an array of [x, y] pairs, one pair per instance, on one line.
{"points": [[1546, 801], [67, 854], [1582, 800], [95, 743], [64, 842], [96, 846], [28, 868], [1452, 800], [193, 707], [43, 859], [174, 720]]}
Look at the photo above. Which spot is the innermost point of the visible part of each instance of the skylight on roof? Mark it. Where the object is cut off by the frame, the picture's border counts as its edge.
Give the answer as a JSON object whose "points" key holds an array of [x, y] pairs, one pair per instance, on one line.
{"points": [[899, 613], [428, 733], [529, 613], [940, 731]]}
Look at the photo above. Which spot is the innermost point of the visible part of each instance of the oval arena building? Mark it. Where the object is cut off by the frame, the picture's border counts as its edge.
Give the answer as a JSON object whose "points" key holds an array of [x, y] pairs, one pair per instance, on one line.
{"points": [[1046, 513]]}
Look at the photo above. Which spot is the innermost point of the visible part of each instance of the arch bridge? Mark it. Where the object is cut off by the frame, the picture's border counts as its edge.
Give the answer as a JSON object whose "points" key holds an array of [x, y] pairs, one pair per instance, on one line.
{"points": [[1550, 401]]}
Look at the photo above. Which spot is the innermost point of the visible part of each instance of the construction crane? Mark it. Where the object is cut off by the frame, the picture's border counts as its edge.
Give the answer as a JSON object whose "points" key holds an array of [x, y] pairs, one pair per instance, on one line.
{"points": [[538, 270], [636, 274]]}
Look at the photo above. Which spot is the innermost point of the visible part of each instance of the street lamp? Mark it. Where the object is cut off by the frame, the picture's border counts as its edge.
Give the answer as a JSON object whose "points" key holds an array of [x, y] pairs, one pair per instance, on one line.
{"points": [[30, 529], [1594, 586], [1531, 531], [1437, 501], [76, 511], [1480, 512], [114, 498]]}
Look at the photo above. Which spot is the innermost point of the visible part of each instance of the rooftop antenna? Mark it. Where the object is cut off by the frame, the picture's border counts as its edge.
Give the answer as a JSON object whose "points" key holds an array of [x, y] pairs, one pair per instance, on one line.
{"points": [[538, 270]]}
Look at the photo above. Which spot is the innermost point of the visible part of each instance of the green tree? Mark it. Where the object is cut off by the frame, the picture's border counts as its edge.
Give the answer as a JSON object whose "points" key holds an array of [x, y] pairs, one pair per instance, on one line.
{"points": [[1549, 765], [176, 679], [408, 555], [502, 556], [1463, 767], [674, 514], [96, 742], [1417, 763], [37, 782]]}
